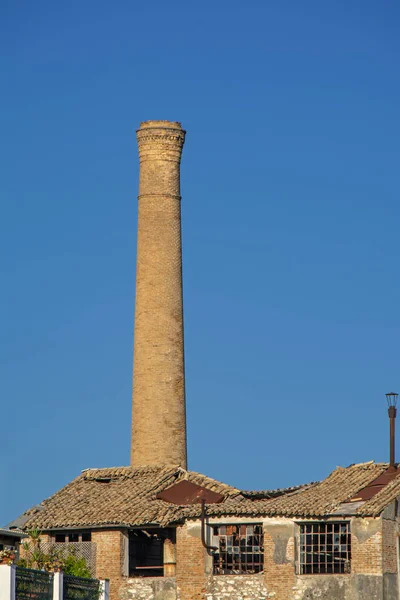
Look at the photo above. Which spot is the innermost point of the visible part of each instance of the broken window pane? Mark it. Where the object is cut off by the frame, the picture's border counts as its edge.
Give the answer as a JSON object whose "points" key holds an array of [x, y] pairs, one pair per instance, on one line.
{"points": [[240, 549], [324, 548]]}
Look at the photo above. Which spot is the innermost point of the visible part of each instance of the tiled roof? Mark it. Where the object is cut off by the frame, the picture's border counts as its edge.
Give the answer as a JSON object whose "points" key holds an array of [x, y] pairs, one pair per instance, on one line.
{"points": [[326, 497], [267, 494], [118, 496], [124, 496], [127, 496]]}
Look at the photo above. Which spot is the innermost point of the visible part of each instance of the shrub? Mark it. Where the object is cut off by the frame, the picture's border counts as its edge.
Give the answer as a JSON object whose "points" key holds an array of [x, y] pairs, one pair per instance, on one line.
{"points": [[57, 559]]}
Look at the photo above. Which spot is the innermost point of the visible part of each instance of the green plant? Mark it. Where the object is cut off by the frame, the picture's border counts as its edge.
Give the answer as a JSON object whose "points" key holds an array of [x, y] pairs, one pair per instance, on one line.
{"points": [[76, 566], [56, 559]]}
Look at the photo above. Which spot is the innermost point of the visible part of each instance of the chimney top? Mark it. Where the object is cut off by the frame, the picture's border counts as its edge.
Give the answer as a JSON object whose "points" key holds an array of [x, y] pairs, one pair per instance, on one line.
{"points": [[160, 124]]}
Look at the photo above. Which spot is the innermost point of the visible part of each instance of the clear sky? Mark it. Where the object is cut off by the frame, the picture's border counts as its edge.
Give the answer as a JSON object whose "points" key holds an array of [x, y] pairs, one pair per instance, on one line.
{"points": [[290, 184]]}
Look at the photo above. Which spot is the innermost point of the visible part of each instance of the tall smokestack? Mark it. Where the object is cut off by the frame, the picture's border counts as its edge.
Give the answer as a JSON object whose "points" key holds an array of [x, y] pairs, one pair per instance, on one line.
{"points": [[158, 411]]}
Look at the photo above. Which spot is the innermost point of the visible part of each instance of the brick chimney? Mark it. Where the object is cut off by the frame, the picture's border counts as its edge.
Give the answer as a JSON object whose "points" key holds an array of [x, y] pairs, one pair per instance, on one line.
{"points": [[158, 403]]}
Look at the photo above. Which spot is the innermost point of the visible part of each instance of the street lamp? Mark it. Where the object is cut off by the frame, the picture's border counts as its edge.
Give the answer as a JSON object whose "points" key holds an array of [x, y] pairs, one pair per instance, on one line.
{"points": [[391, 398]]}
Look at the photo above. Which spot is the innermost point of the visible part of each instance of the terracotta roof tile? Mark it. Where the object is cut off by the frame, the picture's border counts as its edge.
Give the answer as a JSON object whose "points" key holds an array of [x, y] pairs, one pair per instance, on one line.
{"points": [[124, 496], [325, 497], [118, 496]]}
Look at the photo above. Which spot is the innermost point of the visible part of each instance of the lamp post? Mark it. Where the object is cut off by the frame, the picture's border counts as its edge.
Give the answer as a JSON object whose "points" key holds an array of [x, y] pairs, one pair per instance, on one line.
{"points": [[391, 398]]}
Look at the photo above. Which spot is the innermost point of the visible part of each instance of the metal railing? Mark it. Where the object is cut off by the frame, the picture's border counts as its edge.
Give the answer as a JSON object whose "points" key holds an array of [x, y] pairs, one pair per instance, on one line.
{"points": [[80, 588], [33, 584]]}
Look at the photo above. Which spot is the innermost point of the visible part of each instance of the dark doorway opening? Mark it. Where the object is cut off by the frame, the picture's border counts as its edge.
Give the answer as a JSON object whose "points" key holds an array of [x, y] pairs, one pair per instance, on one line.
{"points": [[146, 552]]}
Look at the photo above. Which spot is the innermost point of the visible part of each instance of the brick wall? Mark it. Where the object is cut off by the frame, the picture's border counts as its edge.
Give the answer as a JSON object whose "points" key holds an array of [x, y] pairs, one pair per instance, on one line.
{"points": [[366, 546], [190, 563], [110, 557], [374, 563], [389, 543], [279, 567]]}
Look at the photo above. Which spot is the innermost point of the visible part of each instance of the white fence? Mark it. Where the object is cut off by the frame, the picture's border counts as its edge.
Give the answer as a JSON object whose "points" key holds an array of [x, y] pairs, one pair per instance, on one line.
{"points": [[8, 587]]}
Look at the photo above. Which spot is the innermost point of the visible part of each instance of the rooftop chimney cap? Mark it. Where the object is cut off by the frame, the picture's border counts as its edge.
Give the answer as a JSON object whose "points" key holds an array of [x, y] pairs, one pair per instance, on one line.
{"points": [[160, 124]]}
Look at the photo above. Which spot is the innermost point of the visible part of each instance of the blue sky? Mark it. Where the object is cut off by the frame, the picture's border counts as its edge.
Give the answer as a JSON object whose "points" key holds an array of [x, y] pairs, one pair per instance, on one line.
{"points": [[290, 185]]}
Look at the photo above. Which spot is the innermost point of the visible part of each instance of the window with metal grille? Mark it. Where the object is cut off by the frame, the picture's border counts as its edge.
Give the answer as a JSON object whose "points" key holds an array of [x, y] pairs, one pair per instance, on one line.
{"points": [[240, 549], [324, 548]]}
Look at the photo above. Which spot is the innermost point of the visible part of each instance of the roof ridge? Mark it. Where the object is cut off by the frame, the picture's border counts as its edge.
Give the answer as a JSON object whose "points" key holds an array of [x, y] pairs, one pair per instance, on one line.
{"points": [[131, 468]]}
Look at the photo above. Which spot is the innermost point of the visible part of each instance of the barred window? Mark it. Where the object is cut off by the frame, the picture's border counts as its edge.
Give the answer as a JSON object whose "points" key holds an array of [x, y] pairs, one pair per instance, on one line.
{"points": [[324, 548], [240, 549]]}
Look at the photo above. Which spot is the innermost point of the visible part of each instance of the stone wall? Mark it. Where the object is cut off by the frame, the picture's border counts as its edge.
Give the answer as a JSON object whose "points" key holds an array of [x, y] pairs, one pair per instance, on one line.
{"points": [[148, 588], [222, 587], [237, 587]]}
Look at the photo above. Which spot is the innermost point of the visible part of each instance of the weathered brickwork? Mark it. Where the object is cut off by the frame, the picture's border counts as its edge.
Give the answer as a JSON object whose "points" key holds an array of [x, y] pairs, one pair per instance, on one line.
{"points": [[365, 582], [279, 558], [158, 417], [390, 540], [366, 544], [110, 558], [372, 577], [190, 563]]}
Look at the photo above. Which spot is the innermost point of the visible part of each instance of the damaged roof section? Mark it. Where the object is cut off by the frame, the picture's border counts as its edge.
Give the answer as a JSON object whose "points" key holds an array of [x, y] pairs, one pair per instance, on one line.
{"points": [[333, 495], [119, 496], [267, 494], [134, 497], [137, 497]]}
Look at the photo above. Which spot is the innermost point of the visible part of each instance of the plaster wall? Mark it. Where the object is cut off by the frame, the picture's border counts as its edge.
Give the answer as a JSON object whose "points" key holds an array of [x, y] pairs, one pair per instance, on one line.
{"points": [[338, 587]]}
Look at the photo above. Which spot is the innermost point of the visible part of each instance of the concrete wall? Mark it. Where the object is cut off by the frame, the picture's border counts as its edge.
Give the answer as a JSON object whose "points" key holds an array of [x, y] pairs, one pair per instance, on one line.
{"points": [[338, 587]]}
